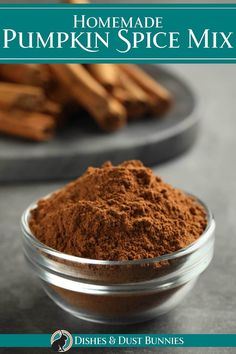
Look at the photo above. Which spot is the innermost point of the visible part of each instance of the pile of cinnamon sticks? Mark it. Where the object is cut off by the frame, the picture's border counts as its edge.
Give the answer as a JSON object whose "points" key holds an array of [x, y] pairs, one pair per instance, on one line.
{"points": [[32, 96]]}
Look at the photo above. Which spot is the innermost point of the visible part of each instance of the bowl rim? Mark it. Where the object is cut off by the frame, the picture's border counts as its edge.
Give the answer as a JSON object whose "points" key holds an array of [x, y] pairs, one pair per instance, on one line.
{"points": [[203, 238]]}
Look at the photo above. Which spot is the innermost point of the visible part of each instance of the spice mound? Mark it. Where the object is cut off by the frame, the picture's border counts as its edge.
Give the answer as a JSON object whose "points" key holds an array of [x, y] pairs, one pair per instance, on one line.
{"points": [[121, 212]]}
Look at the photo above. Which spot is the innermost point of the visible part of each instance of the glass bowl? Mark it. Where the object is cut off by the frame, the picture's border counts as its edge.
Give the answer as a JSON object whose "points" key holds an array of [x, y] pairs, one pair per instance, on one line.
{"points": [[118, 292]]}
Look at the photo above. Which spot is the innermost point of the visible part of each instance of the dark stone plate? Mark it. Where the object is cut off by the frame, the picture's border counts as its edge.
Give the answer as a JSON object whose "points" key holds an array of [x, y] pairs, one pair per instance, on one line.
{"points": [[81, 145]]}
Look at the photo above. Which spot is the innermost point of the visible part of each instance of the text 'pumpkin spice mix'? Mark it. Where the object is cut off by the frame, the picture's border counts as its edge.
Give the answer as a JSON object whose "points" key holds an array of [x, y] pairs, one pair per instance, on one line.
{"points": [[119, 212]]}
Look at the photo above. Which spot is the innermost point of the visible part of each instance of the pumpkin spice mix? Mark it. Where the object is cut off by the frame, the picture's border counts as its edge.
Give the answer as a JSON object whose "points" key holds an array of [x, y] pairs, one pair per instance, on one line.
{"points": [[119, 212]]}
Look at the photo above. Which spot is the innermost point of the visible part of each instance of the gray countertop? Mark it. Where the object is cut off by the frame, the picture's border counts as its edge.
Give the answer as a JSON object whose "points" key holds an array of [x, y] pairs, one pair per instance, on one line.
{"points": [[207, 170]]}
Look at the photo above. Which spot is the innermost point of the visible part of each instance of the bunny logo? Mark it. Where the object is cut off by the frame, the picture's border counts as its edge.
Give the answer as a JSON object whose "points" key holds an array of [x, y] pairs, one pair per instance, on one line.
{"points": [[61, 341]]}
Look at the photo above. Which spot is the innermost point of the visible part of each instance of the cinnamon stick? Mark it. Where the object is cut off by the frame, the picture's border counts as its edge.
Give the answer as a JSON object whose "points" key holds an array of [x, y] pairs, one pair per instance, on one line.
{"points": [[20, 96], [122, 87], [105, 109], [28, 125], [56, 92], [29, 98], [55, 110], [106, 74], [124, 97], [142, 101], [26, 74], [160, 95], [51, 108]]}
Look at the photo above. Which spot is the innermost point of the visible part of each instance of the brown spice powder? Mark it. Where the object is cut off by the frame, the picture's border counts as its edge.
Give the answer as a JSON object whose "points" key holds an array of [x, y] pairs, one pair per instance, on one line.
{"points": [[119, 212]]}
